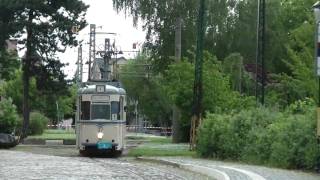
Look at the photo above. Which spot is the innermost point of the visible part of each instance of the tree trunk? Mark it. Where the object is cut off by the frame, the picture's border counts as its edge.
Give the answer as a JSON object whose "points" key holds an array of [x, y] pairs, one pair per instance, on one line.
{"points": [[176, 113], [26, 78]]}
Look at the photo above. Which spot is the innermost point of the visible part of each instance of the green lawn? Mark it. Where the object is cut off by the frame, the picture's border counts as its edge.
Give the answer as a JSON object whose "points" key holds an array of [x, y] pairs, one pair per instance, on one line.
{"points": [[160, 146], [55, 134], [151, 145]]}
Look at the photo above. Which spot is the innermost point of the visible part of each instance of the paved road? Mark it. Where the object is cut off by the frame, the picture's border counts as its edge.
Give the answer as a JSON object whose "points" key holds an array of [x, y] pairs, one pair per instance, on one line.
{"points": [[26, 165], [236, 171]]}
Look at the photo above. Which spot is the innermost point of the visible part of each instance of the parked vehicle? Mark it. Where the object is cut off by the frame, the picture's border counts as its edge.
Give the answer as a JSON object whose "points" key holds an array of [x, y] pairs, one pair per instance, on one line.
{"points": [[7, 140]]}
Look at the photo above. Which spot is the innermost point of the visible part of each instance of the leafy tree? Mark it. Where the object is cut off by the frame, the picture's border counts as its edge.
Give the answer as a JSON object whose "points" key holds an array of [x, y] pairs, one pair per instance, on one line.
{"points": [[38, 123], [48, 28], [145, 88], [7, 19], [40, 101], [160, 22], [9, 63], [218, 96], [300, 80], [14, 89], [9, 118]]}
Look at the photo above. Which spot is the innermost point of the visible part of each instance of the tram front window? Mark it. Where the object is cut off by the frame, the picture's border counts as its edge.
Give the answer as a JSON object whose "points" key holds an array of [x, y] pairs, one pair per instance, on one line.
{"points": [[100, 111]]}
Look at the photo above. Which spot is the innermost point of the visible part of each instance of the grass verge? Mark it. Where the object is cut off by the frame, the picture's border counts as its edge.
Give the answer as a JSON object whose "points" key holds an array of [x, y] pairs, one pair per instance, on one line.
{"points": [[160, 146], [55, 134]]}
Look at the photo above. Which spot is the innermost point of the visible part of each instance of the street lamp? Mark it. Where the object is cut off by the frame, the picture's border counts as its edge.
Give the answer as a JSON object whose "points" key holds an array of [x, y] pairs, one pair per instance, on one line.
{"points": [[316, 9]]}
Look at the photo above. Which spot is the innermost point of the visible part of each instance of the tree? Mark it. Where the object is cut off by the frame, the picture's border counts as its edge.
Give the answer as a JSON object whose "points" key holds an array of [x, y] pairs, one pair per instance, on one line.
{"points": [[218, 96], [8, 116], [144, 88], [8, 60], [7, 19], [48, 28], [160, 19], [9, 63]]}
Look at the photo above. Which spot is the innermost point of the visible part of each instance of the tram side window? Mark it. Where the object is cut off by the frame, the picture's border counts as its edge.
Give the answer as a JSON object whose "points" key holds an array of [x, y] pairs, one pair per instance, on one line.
{"points": [[115, 110], [85, 110]]}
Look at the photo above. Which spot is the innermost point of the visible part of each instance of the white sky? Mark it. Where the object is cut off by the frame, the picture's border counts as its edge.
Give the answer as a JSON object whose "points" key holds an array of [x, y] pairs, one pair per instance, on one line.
{"points": [[101, 13]]}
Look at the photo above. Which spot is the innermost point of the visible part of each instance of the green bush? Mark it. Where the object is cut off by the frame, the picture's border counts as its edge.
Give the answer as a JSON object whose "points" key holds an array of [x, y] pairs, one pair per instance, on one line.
{"points": [[38, 123], [262, 136], [8, 116], [212, 136], [294, 144]]}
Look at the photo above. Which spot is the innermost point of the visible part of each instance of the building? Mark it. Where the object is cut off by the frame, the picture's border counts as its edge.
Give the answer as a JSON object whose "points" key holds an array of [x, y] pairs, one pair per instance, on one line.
{"points": [[100, 68], [11, 45]]}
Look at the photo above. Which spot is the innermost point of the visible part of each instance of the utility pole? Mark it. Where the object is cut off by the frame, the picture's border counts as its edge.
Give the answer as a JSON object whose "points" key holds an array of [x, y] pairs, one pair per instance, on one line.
{"points": [[81, 63], [106, 59], [176, 114], [260, 55], [79, 66], [198, 93], [92, 48]]}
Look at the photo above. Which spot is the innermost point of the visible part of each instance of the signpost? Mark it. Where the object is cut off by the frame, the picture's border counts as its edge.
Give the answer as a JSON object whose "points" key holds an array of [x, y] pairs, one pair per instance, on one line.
{"points": [[316, 8]]}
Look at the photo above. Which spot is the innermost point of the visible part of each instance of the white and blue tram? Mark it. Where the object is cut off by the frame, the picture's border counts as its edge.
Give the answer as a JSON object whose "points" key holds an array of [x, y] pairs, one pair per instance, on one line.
{"points": [[101, 119]]}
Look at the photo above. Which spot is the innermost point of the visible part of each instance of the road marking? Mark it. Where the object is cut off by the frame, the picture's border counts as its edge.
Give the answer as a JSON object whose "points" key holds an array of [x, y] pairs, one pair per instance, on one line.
{"points": [[220, 175], [252, 175]]}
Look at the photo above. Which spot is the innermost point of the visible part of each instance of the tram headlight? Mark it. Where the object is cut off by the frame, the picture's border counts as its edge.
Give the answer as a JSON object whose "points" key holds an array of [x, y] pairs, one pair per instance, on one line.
{"points": [[100, 135]]}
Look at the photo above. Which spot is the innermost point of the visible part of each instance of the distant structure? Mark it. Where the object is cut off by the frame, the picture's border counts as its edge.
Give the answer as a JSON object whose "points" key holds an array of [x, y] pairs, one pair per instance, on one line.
{"points": [[98, 68], [11, 45]]}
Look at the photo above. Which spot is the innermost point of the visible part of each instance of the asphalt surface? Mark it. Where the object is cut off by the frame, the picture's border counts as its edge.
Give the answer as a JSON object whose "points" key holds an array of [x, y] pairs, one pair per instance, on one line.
{"points": [[64, 162], [237, 171], [43, 162]]}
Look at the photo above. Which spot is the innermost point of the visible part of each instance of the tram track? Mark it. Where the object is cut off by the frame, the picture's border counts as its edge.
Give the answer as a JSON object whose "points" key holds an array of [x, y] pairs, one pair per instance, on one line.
{"points": [[135, 170]]}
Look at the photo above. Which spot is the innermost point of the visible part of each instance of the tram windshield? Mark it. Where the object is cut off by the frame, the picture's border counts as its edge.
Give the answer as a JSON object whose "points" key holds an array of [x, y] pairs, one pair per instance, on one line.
{"points": [[100, 111]]}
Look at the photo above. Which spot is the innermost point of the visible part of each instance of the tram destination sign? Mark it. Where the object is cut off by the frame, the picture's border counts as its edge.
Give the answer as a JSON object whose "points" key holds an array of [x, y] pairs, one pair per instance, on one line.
{"points": [[100, 88], [100, 98]]}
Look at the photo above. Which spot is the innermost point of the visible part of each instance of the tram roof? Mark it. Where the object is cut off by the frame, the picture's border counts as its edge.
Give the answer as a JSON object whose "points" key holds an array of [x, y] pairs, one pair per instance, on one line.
{"points": [[91, 89]]}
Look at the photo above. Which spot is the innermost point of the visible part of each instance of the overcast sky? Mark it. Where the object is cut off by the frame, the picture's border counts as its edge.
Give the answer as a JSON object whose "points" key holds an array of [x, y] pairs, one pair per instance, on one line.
{"points": [[101, 13]]}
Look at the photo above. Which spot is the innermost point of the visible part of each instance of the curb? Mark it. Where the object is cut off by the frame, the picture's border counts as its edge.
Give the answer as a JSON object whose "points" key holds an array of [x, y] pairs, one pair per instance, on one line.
{"points": [[212, 173], [49, 142]]}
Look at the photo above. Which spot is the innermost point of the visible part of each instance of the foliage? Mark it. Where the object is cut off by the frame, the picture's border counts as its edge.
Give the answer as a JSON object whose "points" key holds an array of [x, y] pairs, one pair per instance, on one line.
{"points": [[260, 135], [40, 101], [9, 63], [160, 19], [9, 119], [13, 89], [38, 123], [48, 28], [175, 86], [143, 87], [289, 46]]}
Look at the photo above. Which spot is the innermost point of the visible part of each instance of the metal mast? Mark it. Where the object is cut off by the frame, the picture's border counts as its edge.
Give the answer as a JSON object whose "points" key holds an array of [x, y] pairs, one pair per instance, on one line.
{"points": [[92, 48], [107, 59], [198, 92], [79, 66], [260, 59]]}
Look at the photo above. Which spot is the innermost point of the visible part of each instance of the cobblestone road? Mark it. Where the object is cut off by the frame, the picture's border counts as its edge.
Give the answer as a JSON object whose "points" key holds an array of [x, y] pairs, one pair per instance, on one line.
{"points": [[235, 171], [25, 165]]}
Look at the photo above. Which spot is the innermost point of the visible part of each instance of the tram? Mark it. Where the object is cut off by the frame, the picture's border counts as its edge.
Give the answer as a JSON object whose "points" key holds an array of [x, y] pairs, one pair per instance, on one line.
{"points": [[101, 119]]}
